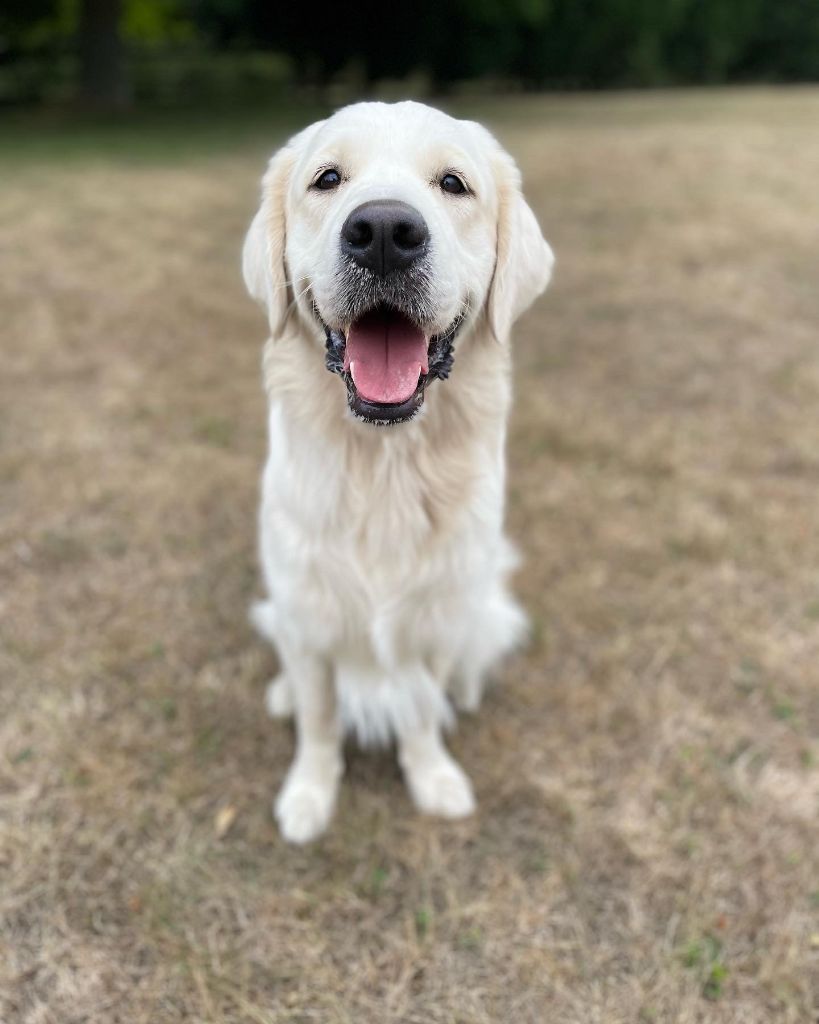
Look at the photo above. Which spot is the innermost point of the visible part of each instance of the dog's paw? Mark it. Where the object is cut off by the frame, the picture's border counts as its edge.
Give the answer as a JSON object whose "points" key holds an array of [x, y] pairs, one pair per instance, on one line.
{"points": [[304, 808], [278, 698], [442, 789]]}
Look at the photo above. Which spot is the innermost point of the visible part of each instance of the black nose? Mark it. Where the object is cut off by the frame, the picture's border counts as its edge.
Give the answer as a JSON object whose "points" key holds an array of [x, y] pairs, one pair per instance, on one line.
{"points": [[384, 235]]}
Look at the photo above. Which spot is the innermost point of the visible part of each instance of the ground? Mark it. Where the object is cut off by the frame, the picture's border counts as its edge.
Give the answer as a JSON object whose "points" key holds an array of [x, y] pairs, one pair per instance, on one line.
{"points": [[646, 844]]}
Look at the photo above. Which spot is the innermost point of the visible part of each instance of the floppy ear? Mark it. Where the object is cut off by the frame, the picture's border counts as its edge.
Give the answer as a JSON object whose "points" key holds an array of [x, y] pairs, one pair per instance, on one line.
{"points": [[524, 258], [263, 262]]}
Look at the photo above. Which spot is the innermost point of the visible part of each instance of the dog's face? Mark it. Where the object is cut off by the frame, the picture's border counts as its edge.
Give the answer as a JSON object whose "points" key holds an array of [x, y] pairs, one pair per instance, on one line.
{"points": [[393, 229]]}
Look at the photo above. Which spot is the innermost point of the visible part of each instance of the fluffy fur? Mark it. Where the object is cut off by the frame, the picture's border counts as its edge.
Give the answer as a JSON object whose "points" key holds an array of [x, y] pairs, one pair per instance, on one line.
{"points": [[382, 547]]}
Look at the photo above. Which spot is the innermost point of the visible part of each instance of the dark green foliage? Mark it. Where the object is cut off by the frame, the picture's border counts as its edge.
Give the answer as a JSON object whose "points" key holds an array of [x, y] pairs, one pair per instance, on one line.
{"points": [[531, 44]]}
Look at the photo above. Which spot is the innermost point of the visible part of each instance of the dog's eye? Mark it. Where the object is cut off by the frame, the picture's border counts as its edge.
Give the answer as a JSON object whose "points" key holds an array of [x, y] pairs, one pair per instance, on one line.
{"points": [[452, 183], [329, 179]]}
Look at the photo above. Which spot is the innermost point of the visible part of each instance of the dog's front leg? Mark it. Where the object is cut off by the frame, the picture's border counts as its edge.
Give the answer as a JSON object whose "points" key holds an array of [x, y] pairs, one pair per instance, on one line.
{"points": [[307, 799], [437, 783]]}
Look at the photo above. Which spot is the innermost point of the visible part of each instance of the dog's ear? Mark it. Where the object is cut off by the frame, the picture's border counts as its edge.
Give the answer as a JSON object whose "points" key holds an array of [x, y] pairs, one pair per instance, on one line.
{"points": [[524, 259], [263, 256], [263, 263]]}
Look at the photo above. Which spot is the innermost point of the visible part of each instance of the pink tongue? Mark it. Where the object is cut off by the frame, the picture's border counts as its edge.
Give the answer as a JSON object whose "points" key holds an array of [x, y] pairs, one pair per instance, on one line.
{"points": [[386, 354]]}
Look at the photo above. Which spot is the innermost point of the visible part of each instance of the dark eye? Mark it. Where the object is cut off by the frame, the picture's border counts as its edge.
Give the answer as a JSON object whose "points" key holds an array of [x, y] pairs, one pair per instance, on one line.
{"points": [[452, 183], [329, 179]]}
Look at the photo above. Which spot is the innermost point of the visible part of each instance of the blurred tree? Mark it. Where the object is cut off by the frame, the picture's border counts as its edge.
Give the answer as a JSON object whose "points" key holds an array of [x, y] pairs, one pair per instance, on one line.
{"points": [[530, 43], [103, 74], [783, 43], [711, 38]]}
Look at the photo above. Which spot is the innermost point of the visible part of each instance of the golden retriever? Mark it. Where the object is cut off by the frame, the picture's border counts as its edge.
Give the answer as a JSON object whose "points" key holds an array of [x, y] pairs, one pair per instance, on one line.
{"points": [[393, 247]]}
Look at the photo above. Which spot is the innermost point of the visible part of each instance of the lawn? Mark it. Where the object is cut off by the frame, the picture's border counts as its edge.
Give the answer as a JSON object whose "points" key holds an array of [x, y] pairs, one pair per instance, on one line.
{"points": [[646, 848]]}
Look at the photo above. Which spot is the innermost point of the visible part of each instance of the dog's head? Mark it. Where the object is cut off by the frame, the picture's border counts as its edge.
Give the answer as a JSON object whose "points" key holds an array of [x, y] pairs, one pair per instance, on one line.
{"points": [[390, 229]]}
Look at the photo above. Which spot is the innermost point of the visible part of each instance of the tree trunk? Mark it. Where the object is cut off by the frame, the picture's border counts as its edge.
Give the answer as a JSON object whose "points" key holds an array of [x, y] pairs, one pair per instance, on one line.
{"points": [[103, 79]]}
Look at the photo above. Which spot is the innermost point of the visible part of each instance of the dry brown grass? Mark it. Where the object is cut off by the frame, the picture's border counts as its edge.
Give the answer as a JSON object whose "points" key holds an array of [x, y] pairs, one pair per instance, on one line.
{"points": [[646, 847]]}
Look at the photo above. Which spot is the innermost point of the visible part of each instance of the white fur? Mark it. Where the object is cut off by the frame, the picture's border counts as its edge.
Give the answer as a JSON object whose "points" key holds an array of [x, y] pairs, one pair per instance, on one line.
{"points": [[382, 547]]}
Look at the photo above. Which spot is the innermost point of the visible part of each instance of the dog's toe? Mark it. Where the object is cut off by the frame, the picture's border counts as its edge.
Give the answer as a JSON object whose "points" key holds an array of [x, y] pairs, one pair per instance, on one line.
{"points": [[444, 791], [303, 810]]}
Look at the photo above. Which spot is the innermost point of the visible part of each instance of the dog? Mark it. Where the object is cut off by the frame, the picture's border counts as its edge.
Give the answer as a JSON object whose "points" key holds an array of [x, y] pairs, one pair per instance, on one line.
{"points": [[394, 248]]}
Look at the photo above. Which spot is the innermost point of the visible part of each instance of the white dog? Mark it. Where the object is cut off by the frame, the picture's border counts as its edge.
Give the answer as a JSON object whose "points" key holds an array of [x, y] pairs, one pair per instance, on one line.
{"points": [[394, 248]]}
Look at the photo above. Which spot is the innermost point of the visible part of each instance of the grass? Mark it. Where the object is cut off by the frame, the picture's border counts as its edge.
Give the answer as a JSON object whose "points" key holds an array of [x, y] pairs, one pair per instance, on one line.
{"points": [[646, 846]]}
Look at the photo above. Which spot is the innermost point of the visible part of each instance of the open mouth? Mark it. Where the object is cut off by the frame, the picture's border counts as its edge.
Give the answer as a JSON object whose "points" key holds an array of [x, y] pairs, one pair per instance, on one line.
{"points": [[386, 361]]}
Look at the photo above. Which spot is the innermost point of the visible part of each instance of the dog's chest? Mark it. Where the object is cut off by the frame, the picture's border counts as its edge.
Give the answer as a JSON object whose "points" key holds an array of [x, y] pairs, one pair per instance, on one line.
{"points": [[381, 506], [362, 531]]}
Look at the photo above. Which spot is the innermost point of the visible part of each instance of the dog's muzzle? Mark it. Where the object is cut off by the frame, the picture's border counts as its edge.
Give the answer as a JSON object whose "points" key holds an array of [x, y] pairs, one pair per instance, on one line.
{"points": [[385, 354]]}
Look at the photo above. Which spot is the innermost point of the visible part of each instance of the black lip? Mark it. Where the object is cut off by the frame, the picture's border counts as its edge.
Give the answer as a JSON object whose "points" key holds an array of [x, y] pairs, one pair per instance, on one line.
{"points": [[384, 413]]}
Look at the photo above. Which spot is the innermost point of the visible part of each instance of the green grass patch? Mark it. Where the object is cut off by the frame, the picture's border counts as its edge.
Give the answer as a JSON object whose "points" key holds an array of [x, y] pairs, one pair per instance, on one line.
{"points": [[783, 710], [705, 955], [216, 431], [423, 920], [712, 987]]}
